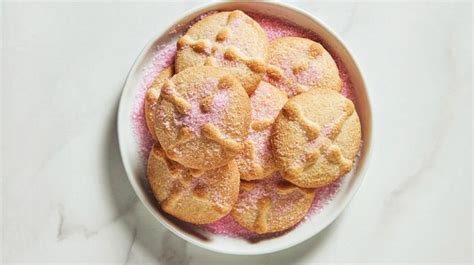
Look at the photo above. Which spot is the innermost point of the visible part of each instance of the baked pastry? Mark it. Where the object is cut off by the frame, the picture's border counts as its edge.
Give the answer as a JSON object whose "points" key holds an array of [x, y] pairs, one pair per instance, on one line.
{"points": [[244, 128], [195, 196], [203, 116], [256, 159], [316, 138], [271, 205], [226, 39], [296, 65], [151, 98]]}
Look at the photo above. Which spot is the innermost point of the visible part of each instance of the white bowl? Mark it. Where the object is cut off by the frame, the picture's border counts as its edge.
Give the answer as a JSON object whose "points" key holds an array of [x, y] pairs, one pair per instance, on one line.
{"points": [[135, 169]]}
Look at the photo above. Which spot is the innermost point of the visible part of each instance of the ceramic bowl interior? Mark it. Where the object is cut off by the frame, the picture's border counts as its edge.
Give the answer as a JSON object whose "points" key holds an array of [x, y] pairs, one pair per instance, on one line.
{"points": [[135, 169]]}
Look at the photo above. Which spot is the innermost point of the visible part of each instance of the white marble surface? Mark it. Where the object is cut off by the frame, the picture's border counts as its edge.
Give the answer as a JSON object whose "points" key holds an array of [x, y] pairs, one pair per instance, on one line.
{"points": [[66, 197]]}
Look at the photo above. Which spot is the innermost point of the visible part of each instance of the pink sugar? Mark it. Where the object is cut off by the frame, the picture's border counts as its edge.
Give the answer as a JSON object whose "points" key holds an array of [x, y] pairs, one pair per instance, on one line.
{"points": [[263, 106], [235, 23], [290, 89], [310, 76], [347, 88], [323, 196], [265, 187], [197, 118], [261, 139], [229, 227], [277, 28], [164, 56], [140, 128], [268, 187]]}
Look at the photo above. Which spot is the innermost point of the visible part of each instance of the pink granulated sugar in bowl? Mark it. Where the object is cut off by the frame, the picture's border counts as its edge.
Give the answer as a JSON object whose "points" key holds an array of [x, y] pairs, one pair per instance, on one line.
{"points": [[164, 57], [227, 226]]}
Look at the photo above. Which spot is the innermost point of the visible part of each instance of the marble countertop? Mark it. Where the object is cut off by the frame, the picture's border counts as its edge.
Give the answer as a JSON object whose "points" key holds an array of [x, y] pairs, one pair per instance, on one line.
{"points": [[66, 197]]}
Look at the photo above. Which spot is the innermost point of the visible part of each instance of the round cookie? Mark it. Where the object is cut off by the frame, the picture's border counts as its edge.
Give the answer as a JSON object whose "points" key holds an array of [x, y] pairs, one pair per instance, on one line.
{"points": [[316, 138], [256, 159], [226, 39], [194, 196], [271, 205], [151, 98], [296, 65], [203, 116]]}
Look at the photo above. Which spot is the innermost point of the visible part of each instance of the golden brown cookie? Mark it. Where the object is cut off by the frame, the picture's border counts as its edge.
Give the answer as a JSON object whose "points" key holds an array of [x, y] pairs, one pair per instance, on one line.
{"points": [[226, 39], [203, 116], [151, 98], [194, 196], [296, 65], [316, 138], [256, 160], [271, 205]]}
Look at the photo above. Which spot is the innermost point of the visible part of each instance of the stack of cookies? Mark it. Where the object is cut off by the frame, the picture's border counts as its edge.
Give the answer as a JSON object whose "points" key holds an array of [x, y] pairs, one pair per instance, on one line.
{"points": [[246, 126]]}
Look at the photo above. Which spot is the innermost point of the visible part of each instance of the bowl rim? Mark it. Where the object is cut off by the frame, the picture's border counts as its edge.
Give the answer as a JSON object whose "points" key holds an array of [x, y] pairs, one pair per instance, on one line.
{"points": [[367, 141]]}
